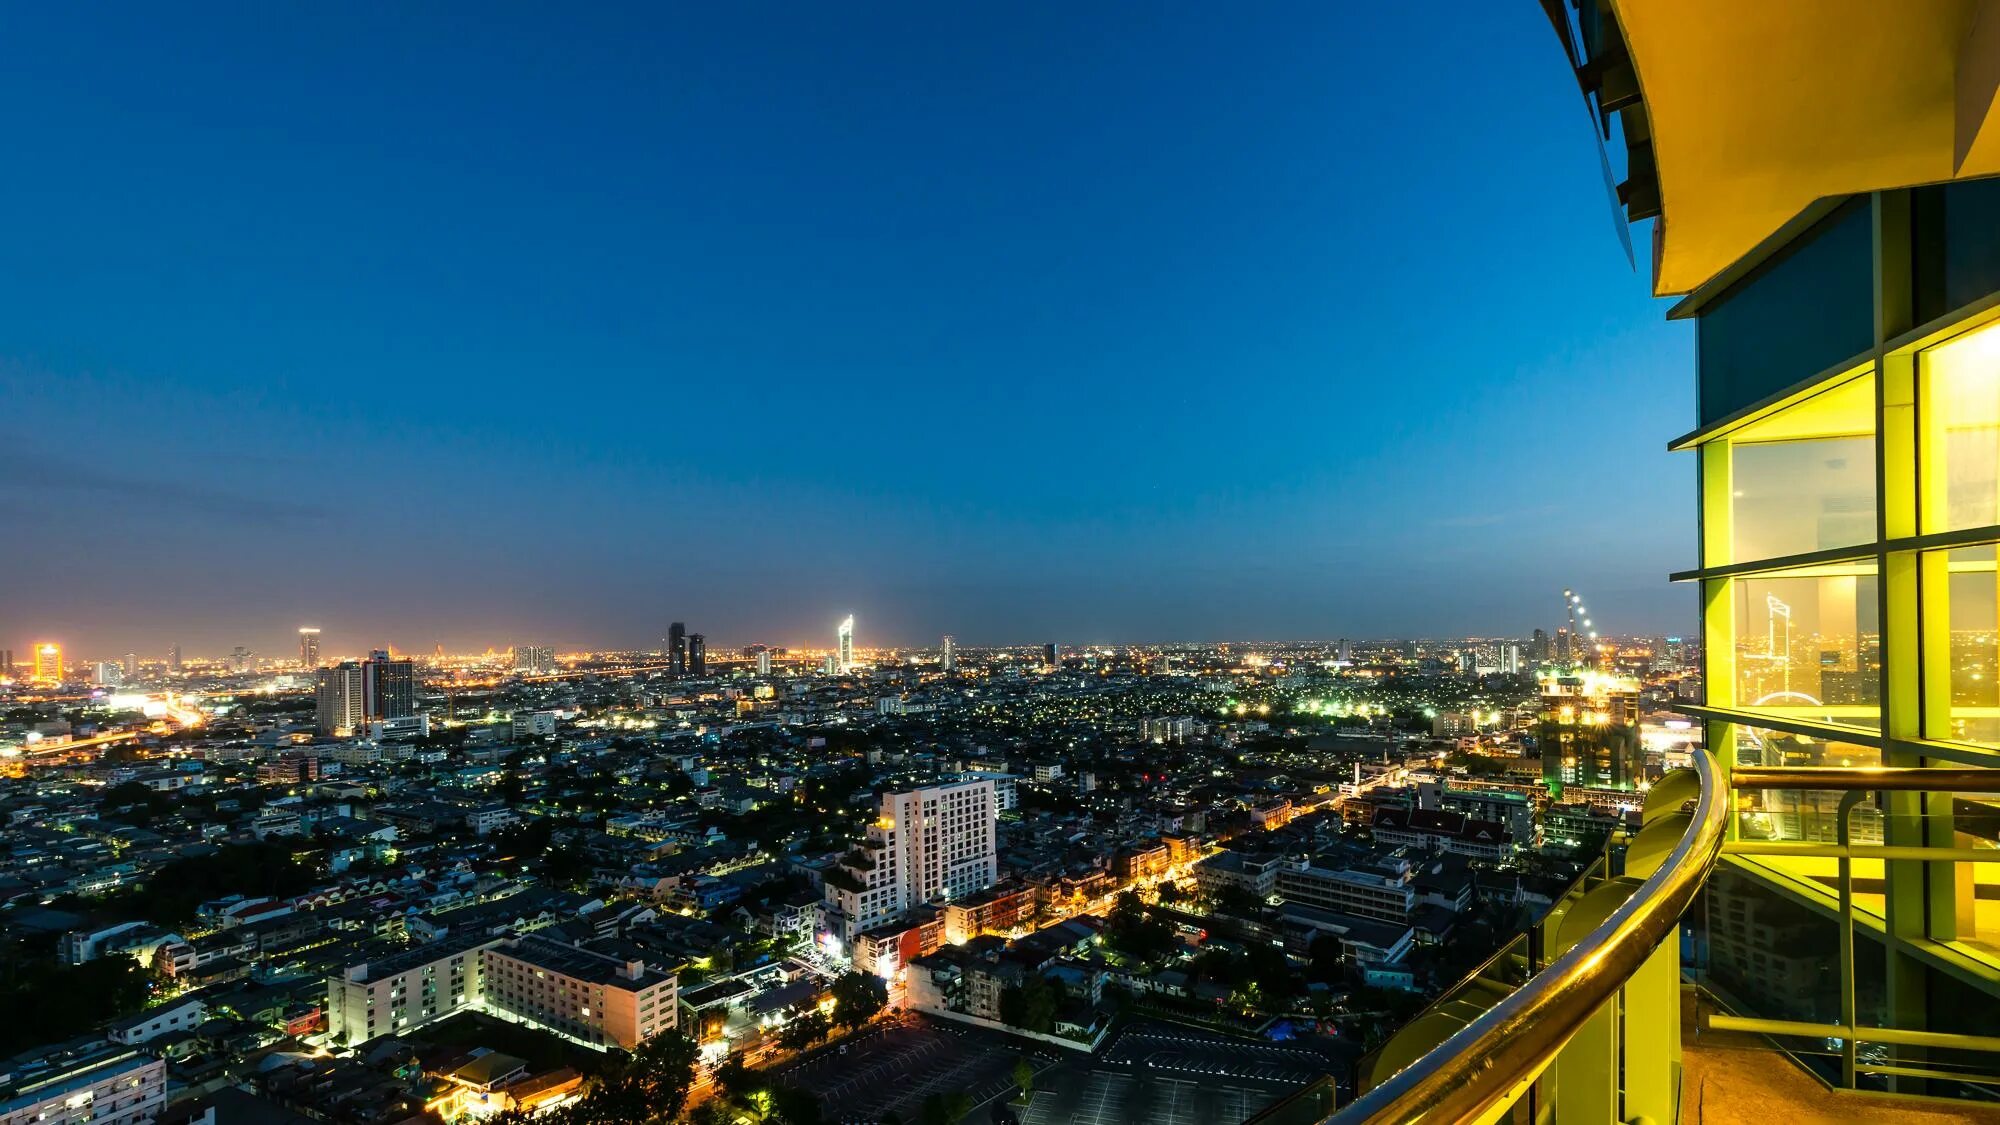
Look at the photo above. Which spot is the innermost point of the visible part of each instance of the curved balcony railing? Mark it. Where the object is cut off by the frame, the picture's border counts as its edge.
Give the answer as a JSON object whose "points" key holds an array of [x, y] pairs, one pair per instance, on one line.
{"points": [[1492, 1062]]}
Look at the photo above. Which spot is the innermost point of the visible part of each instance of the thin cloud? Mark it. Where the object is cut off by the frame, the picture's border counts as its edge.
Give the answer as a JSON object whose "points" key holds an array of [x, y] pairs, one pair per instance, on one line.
{"points": [[35, 472]]}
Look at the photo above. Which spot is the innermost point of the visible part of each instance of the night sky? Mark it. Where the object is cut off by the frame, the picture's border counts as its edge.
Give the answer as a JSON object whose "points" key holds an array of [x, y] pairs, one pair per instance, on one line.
{"points": [[1122, 322]]}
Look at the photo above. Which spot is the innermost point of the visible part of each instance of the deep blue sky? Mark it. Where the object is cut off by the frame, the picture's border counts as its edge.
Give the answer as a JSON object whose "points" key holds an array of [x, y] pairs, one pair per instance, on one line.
{"points": [[490, 323]]}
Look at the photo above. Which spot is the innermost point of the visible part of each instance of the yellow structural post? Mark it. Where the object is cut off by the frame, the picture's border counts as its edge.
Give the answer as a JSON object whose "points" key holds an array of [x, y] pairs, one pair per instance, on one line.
{"points": [[1588, 1069], [1916, 894]]}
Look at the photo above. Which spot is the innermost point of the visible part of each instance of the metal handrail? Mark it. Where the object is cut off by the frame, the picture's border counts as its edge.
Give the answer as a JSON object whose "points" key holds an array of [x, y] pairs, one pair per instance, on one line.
{"points": [[1514, 1041], [1899, 779]]}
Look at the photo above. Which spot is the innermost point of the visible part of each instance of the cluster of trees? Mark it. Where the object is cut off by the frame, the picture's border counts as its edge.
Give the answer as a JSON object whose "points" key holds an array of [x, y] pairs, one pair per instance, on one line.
{"points": [[1136, 934], [1032, 1005], [173, 895], [773, 1103], [55, 1001], [533, 841], [649, 1086]]}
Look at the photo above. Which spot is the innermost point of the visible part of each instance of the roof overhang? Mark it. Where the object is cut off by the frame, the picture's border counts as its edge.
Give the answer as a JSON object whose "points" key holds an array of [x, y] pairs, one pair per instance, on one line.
{"points": [[1754, 111]]}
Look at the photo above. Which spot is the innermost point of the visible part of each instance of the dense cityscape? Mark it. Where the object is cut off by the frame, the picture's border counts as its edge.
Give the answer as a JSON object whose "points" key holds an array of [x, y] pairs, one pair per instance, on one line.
{"points": [[461, 885], [621, 564]]}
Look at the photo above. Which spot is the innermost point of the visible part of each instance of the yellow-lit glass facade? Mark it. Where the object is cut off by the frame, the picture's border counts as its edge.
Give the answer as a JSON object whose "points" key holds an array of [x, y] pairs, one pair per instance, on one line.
{"points": [[1850, 527]]}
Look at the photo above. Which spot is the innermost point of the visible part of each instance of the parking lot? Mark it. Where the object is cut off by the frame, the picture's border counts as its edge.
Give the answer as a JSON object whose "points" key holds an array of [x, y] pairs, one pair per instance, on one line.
{"points": [[895, 1068], [1171, 1074], [1095, 1096], [1175, 1051], [1148, 1070]]}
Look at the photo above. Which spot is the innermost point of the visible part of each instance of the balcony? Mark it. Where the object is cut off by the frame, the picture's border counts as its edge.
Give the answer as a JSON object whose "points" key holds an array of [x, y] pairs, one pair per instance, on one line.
{"points": [[1696, 983]]}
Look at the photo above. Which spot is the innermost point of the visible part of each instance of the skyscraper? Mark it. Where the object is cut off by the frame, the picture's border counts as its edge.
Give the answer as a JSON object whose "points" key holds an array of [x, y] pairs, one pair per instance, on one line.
{"points": [[949, 659], [389, 687], [340, 710], [677, 649], [48, 663], [534, 660], [308, 647], [1050, 656], [844, 643], [174, 658], [697, 655], [131, 665], [763, 661], [108, 674]]}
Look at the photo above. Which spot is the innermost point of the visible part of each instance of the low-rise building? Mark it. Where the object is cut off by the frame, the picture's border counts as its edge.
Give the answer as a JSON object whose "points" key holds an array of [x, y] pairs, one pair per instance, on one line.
{"points": [[106, 1084]]}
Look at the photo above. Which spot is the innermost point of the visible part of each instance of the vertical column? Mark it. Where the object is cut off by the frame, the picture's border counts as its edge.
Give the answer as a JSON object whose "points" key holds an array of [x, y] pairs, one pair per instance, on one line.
{"points": [[1914, 895]]}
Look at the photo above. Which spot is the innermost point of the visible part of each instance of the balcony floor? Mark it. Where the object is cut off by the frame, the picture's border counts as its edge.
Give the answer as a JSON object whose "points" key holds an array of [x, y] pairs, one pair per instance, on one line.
{"points": [[1729, 1078]]}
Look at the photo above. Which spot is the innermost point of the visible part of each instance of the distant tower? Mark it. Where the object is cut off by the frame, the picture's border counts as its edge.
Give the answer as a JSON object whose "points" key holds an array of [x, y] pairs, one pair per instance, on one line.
{"points": [[340, 712], [677, 649], [697, 655], [763, 661], [174, 659], [949, 661], [1050, 656], [308, 647], [388, 687], [844, 642], [131, 665], [48, 663]]}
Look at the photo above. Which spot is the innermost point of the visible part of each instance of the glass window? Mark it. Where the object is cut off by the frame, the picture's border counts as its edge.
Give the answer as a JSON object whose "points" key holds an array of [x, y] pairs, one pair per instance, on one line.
{"points": [[1803, 479], [1970, 617], [1961, 422], [1808, 645], [1812, 816]]}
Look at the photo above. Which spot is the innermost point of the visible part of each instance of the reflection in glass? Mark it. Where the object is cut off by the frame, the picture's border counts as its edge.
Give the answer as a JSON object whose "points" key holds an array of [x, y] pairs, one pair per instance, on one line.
{"points": [[1808, 645], [1972, 620], [1808, 815], [1791, 497], [1961, 404]]}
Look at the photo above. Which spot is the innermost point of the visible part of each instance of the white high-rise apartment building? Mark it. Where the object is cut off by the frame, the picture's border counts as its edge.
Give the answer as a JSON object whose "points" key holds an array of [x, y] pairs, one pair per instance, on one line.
{"points": [[934, 843], [844, 640], [949, 660]]}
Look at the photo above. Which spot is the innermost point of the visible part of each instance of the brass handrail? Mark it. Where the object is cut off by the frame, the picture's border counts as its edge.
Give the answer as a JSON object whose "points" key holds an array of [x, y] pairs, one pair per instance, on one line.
{"points": [[1515, 1040], [1901, 779]]}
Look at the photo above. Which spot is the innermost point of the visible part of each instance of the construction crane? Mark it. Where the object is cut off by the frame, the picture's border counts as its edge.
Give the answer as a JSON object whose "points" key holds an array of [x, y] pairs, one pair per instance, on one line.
{"points": [[1581, 630]]}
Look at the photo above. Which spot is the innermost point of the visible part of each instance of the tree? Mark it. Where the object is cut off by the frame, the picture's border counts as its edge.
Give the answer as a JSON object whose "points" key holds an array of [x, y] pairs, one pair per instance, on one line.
{"points": [[1171, 893], [1133, 932], [1032, 1005], [793, 1106], [65, 1000], [804, 1031], [734, 1078], [857, 997], [1024, 1076], [946, 1109], [648, 1087], [133, 803], [173, 894]]}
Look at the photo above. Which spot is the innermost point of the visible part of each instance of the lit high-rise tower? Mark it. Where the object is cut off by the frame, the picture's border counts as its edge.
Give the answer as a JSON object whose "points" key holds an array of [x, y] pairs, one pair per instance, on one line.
{"points": [[308, 647], [949, 660], [677, 649], [48, 663], [844, 642]]}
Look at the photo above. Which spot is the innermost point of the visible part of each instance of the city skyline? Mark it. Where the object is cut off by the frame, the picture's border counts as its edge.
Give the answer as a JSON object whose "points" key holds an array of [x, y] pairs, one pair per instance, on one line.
{"points": [[734, 648], [1128, 356]]}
